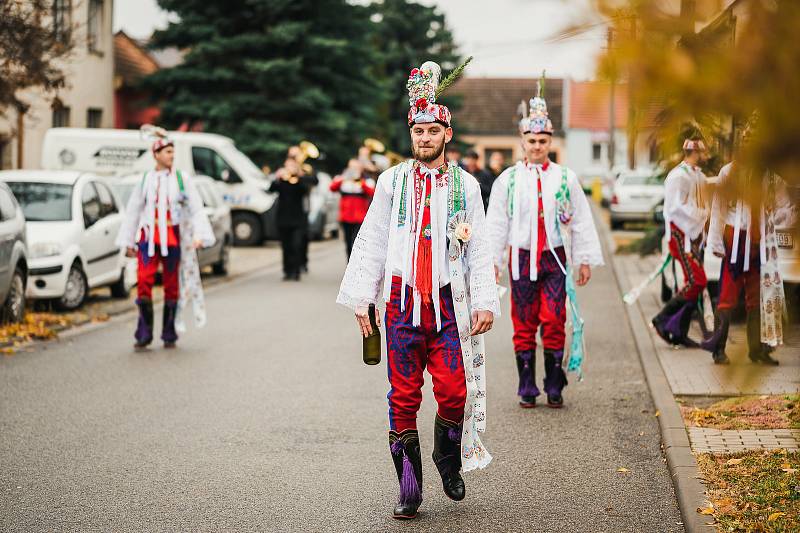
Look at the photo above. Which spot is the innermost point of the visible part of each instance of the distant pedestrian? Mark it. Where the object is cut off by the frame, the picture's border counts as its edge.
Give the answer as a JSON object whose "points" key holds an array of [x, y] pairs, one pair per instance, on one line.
{"points": [[497, 164], [747, 248], [538, 208], [356, 188], [485, 179], [424, 228], [292, 186], [685, 215], [453, 154], [164, 224]]}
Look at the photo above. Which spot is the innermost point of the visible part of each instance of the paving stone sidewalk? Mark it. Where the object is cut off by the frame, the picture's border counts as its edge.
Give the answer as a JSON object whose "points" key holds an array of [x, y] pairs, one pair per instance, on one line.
{"points": [[691, 372], [708, 440]]}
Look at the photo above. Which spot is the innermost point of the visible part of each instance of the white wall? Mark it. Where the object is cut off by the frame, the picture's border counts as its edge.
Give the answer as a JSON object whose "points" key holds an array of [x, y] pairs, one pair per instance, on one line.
{"points": [[90, 78], [579, 156]]}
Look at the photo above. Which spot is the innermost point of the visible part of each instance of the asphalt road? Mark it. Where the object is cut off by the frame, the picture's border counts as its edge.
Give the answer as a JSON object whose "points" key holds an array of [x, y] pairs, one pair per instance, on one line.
{"points": [[268, 420]]}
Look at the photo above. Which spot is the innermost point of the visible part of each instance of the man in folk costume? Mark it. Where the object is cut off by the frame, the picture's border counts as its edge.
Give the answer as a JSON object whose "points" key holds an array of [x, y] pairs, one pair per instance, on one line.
{"points": [[685, 216], [538, 208], [745, 240], [165, 224], [423, 249], [356, 187]]}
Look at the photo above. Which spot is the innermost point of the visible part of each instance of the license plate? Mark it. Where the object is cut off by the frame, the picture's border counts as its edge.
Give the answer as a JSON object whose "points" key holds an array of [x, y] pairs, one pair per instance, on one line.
{"points": [[785, 240]]}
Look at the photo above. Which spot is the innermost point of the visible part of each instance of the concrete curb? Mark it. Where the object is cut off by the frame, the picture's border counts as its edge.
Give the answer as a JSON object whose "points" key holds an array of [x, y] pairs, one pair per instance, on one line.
{"points": [[681, 462]]}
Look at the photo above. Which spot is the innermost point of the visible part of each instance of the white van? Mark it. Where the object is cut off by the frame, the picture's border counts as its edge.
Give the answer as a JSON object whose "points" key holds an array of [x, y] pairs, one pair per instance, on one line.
{"points": [[120, 152]]}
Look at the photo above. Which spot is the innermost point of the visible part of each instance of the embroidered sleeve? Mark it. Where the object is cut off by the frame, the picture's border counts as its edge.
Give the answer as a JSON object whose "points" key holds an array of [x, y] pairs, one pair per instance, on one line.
{"points": [[126, 238], [365, 270], [586, 249], [200, 225], [719, 212], [478, 255], [679, 205], [498, 222]]}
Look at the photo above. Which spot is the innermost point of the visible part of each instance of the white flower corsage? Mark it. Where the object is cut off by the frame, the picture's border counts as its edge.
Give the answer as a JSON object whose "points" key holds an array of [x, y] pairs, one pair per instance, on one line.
{"points": [[459, 232]]}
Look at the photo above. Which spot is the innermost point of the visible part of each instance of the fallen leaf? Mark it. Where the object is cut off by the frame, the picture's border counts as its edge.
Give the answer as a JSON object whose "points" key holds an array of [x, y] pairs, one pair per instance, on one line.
{"points": [[786, 465], [623, 470], [775, 516], [789, 470], [733, 462], [658, 413], [641, 433], [706, 510]]}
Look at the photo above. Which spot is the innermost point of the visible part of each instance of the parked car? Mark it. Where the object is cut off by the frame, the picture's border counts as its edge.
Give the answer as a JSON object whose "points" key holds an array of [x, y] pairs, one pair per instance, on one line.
{"points": [[323, 212], [219, 214], [13, 257], [72, 223], [636, 194]]}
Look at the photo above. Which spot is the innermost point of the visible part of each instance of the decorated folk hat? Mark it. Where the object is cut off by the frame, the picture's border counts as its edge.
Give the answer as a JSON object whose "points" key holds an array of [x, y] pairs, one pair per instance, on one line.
{"points": [[694, 144], [157, 135], [423, 90], [536, 120]]}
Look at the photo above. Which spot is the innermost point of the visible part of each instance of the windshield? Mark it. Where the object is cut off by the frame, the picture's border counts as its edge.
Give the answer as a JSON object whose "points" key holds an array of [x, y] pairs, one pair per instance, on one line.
{"points": [[640, 179], [123, 191], [241, 162], [43, 202]]}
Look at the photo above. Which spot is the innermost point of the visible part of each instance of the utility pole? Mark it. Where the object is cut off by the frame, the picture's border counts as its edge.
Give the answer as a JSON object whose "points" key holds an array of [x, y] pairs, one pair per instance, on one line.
{"points": [[633, 114], [612, 145]]}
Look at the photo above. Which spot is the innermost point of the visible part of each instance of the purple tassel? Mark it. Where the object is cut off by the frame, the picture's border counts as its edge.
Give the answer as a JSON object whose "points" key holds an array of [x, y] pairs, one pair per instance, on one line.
{"points": [[410, 493], [673, 325], [454, 434], [527, 387]]}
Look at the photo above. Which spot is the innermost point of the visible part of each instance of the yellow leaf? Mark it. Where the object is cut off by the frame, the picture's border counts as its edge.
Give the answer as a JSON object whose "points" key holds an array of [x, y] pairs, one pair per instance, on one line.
{"points": [[775, 516], [623, 470], [658, 413], [786, 465], [706, 510], [733, 462]]}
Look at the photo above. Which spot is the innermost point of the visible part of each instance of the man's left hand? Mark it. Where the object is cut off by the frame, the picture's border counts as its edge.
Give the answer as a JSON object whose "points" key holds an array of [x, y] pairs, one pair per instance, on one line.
{"points": [[481, 322], [584, 275]]}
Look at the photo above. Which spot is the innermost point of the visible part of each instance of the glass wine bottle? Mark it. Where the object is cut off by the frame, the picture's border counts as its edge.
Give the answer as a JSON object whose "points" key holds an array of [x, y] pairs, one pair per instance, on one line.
{"points": [[372, 342]]}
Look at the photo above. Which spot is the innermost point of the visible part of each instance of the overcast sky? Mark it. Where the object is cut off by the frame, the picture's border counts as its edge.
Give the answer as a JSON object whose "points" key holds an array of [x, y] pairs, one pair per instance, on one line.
{"points": [[507, 37]]}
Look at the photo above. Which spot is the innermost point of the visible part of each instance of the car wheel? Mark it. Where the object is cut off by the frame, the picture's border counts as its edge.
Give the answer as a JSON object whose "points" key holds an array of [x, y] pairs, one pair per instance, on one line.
{"points": [[14, 306], [220, 268], [246, 229], [120, 289], [75, 290]]}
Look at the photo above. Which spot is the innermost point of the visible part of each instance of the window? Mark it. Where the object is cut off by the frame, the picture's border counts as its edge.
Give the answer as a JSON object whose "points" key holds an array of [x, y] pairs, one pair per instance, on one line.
{"points": [[43, 202], [94, 29], [107, 205], [94, 117], [91, 205], [62, 20], [597, 152], [208, 162], [8, 208], [60, 116]]}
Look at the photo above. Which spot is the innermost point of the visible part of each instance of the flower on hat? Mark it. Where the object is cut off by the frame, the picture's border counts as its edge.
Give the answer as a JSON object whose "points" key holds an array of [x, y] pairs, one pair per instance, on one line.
{"points": [[422, 103]]}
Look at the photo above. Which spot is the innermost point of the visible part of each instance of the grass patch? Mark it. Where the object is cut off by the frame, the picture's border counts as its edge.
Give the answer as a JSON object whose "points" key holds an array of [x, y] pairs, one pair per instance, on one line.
{"points": [[753, 491], [747, 412]]}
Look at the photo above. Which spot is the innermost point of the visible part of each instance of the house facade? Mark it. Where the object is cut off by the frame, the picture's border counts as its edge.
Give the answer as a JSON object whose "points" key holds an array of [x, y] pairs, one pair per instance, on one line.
{"points": [[88, 98]]}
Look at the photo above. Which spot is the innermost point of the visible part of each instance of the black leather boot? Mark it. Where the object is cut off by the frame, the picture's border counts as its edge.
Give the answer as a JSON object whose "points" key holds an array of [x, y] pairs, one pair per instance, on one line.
{"points": [[447, 456], [144, 326], [408, 464], [756, 350]]}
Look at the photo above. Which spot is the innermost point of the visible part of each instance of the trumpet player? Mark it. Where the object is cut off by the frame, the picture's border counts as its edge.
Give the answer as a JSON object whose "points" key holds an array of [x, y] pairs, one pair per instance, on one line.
{"points": [[292, 186], [356, 187]]}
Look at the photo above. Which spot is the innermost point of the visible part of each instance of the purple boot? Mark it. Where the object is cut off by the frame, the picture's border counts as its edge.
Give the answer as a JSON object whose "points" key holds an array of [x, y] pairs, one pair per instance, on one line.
{"points": [[168, 333], [144, 327], [408, 464], [526, 368], [554, 377]]}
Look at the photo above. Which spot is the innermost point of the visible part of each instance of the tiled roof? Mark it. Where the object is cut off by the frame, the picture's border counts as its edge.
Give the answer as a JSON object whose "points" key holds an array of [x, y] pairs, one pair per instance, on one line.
{"points": [[131, 61], [589, 106], [489, 105]]}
